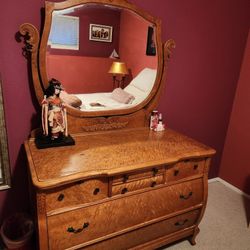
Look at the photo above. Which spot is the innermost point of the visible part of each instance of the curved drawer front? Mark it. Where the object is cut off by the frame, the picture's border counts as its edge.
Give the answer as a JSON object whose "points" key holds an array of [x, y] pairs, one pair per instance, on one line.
{"points": [[77, 193], [148, 233], [93, 222], [185, 169]]}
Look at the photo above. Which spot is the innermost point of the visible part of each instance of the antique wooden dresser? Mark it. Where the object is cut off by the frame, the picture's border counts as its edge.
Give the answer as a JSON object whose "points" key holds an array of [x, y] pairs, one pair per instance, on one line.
{"points": [[122, 185], [127, 189]]}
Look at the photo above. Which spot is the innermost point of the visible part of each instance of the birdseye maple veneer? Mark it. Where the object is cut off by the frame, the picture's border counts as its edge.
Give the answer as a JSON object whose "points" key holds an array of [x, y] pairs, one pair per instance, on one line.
{"points": [[122, 185], [122, 189]]}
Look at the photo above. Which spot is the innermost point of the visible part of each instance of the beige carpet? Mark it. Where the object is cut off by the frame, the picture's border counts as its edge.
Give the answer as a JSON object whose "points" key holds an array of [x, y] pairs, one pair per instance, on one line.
{"points": [[225, 223]]}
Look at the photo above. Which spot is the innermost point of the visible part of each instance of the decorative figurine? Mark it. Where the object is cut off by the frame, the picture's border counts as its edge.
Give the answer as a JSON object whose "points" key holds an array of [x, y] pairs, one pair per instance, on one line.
{"points": [[54, 118]]}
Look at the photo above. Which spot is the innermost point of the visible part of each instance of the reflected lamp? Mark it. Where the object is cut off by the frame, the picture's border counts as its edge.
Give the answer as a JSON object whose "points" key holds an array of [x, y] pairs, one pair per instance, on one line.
{"points": [[119, 71]]}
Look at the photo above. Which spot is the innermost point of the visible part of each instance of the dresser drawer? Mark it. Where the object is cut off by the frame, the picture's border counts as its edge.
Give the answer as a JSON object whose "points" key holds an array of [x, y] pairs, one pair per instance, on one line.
{"points": [[184, 169], [113, 216], [148, 233], [152, 172], [134, 185], [77, 193]]}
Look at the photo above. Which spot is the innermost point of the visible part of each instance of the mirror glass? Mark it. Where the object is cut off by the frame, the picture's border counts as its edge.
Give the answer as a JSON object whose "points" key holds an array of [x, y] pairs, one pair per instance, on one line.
{"points": [[86, 40]]}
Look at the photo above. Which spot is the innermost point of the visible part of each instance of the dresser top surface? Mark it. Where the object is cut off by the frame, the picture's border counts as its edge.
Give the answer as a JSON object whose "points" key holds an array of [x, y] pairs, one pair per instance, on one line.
{"points": [[109, 153]]}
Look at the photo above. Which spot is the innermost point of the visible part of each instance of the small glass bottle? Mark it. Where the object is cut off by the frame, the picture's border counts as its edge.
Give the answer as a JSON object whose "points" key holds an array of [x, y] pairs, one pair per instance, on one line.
{"points": [[160, 126], [154, 119]]}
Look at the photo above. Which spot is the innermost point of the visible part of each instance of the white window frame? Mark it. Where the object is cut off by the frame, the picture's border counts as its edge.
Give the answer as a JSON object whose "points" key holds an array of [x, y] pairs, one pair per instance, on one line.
{"points": [[56, 45]]}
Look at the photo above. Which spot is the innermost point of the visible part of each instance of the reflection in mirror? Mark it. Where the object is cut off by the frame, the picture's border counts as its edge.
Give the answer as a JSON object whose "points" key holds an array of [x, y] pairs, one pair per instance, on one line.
{"points": [[4, 157], [83, 43]]}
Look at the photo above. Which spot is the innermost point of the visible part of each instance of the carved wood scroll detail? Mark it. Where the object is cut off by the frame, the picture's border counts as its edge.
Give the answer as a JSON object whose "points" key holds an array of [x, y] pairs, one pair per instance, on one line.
{"points": [[31, 36], [105, 126], [168, 46]]}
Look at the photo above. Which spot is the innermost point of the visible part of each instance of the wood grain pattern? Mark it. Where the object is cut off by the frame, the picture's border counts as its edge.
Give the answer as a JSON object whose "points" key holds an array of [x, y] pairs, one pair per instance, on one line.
{"points": [[185, 169], [102, 160], [127, 150], [78, 193], [79, 190], [148, 233], [156, 170], [108, 218], [147, 183]]}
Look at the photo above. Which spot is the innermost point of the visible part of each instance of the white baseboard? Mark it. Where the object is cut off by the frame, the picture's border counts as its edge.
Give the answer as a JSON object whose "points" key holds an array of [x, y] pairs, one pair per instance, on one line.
{"points": [[237, 190]]}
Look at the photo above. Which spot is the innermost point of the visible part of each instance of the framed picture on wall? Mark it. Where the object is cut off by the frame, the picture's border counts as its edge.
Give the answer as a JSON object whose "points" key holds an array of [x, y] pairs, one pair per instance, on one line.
{"points": [[100, 33], [151, 50]]}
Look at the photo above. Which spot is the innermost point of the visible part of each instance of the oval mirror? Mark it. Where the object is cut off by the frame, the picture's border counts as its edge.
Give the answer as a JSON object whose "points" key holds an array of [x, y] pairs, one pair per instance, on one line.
{"points": [[105, 55]]}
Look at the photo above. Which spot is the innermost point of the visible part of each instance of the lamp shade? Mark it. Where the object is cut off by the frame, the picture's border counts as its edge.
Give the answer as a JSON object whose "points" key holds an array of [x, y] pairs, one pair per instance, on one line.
{"points": [[118, 68]]}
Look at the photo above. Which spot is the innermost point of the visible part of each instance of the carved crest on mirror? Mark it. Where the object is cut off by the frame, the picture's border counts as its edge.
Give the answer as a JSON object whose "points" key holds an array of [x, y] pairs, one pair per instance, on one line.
{"points": [[83, 45]]}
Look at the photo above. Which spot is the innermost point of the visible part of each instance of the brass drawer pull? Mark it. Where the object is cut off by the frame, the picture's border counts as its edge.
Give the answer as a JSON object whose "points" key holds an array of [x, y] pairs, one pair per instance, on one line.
{"points": [[75, 231], [153, 184], [195, 166], [155, 171], [124, 190], [181, 223], [125, 178], [176, 172], [186, 197], [96, 191], [60, 197]]}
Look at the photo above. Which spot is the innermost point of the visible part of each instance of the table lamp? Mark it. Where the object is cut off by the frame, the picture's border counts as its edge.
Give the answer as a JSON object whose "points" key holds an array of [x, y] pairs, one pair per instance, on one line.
{"points": [[118, 69]]}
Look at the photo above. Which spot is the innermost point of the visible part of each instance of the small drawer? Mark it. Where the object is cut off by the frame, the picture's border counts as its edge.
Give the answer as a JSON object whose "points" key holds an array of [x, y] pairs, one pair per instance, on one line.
{"points": [[77, 193], [152, 172], [137, 184], [185, 169]]}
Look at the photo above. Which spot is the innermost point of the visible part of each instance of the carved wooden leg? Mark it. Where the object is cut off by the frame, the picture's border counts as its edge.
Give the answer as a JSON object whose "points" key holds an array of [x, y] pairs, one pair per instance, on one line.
{"points": [[192, 238]]}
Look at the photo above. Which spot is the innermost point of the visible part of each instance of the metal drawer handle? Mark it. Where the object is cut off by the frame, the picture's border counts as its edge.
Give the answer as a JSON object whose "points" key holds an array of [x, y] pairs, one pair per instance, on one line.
{"points": [[176, 172], [186, 197], [60, 197], [75, 231], [96, 191], [124, 190], [181, 223], [155, 171], [153, 184], [125, 178], [195, 166]]}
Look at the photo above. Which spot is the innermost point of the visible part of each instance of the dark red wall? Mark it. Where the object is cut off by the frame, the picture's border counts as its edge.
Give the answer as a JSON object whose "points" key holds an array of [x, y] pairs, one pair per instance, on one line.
{"points": [[202, 75], [203, 72], [235, 161]]}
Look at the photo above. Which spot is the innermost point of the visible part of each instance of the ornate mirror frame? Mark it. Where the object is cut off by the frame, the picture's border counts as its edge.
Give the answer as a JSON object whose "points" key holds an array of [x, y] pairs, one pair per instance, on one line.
{"points": [[82, 121]]}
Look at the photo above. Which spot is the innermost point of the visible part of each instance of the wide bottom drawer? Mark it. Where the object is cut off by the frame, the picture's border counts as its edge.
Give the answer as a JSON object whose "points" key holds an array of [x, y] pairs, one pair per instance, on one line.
{"points": [[94, 223], [148, 233]]}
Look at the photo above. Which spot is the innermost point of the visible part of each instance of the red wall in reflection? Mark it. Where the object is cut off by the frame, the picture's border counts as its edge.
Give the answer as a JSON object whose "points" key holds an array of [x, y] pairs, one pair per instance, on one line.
{"points": [[82, 74], [133, 42], [93, 15]]}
